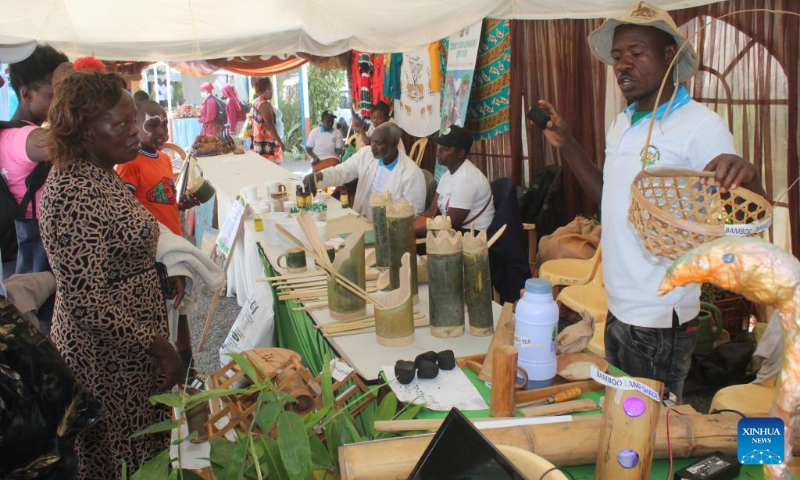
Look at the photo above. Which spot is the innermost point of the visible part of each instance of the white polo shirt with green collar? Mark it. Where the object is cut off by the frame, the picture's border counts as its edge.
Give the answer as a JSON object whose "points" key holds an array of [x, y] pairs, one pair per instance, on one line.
{"points": [[689, 136]]}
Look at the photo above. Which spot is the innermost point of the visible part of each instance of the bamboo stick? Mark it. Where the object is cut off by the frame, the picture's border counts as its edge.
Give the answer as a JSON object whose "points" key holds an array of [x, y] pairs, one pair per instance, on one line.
{"points": [[430, 424], [574, 406], [331, 271], [417, 324], [503, 336], [504, 376], [478, 285], [563, 444]]}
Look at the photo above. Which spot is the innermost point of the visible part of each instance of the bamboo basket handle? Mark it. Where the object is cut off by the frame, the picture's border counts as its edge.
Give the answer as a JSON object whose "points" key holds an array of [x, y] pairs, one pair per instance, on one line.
{"points": [[678, 54], [680, 172]]}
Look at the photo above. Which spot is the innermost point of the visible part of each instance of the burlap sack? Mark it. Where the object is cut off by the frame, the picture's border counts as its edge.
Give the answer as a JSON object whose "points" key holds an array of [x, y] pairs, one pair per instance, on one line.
{"points": [[578, 239]]}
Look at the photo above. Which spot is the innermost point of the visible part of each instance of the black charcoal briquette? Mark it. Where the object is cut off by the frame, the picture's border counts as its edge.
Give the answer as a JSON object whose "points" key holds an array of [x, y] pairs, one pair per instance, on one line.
{"points": [[446, 360], [429, 356], [427, 369], [404, 371]]}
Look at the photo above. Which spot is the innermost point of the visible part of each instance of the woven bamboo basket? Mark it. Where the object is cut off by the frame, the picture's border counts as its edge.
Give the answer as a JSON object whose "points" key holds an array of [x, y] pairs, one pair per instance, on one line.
{"points": [[674, 212]]}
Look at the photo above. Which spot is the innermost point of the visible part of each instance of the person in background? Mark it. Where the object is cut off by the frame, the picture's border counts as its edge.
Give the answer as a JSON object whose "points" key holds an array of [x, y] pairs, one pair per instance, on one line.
{"points": [[110, 324], [140, 96], [379, 168], [208, 111], [266, 140], [234, 109], [325, 142], [23, 155], [464, 193], [149, 177], [647, 335]]}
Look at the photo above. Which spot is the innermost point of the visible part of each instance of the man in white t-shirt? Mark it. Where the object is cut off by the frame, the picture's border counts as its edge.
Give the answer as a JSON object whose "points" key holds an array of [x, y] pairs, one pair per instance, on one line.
{"points": [[379, 168], [464, 193], [325, 142], [647, 335]]}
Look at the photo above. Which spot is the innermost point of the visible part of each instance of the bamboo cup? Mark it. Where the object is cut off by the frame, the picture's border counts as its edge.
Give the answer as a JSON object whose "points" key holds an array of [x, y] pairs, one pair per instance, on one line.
{"points": [[478, 284], [438, 223], [445, 284], [400, 226], [394, 325], [349, 262], [380, 225]]}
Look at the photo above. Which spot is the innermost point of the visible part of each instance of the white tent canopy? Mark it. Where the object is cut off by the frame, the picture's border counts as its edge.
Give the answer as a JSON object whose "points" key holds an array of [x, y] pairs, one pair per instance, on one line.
{"points": [[179, 30]]}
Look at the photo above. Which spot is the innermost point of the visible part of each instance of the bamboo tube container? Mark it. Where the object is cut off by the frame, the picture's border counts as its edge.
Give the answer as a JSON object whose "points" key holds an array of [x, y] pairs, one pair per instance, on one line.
{"points": [[626, 437], [438, 223], [394, 325], [400, 226], [445, 284], [563, 444], [379, 202], [504, 377], [349, 262], [478, 284]]}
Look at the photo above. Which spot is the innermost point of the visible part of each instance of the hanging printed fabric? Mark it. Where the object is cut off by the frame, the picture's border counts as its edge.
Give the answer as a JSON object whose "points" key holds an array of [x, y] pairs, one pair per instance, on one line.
{"points": [[463, 49], [417, 110], [367, 73], [488, 111]]}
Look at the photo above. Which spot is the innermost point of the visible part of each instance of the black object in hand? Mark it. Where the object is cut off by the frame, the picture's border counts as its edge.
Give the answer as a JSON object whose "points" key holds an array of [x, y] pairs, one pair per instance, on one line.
{"points": [[538, 116], [309, 184]]}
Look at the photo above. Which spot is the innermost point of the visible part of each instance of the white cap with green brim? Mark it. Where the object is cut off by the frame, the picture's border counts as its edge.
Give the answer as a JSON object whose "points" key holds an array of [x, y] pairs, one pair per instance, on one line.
{"points": [[646, 15]]}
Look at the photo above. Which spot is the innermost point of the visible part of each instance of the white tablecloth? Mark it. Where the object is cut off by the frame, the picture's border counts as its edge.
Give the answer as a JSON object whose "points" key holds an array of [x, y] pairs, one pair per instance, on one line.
{"points": [[229, 174]]}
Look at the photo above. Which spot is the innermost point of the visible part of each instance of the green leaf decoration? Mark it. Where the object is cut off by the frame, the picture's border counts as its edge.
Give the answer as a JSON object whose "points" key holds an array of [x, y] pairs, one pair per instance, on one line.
{"points": [[221, 451], [157, 468], [356, 437], [314, 418], [294, 446], [164, 426], [246, 366], [273, 459], [189, 474], [168, 399], [234, 470], [207, 395], [267, 415], [386, 411], [319, 454]]}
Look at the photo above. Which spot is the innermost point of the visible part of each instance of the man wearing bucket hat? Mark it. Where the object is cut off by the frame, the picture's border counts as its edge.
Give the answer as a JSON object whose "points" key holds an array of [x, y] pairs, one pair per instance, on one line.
{"points": [[647, 335]]}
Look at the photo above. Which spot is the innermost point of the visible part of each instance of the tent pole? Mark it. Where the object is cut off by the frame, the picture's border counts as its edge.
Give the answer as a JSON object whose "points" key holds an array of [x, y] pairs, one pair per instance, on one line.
{"points": [[169, 102], [275, 91]]}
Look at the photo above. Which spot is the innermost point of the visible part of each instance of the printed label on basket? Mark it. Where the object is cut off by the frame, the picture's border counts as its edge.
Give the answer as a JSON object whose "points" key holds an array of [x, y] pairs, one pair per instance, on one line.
{"points": [[748, 229], [624, 383]]}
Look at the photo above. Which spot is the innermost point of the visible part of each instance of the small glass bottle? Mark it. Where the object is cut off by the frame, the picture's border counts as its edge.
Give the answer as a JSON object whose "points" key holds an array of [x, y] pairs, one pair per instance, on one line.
{"points": [[300, 196], [344, 199], [258, 224]]}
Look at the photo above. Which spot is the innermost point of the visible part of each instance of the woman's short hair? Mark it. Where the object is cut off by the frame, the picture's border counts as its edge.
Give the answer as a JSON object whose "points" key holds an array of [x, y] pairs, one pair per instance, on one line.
{"points": [[80, 98], [35, 70], [262, 84]]}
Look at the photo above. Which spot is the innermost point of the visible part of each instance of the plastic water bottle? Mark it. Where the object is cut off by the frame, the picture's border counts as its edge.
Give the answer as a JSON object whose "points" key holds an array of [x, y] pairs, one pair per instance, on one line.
{"points": [[536, 331]]}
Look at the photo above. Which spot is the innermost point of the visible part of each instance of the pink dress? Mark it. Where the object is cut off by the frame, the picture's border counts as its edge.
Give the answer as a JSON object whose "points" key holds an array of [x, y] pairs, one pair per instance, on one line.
{"points": [[15, 166]]}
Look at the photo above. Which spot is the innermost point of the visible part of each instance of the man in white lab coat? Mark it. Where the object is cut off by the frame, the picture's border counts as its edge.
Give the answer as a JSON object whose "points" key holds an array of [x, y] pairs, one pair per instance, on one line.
{"points": [[379, 167]]}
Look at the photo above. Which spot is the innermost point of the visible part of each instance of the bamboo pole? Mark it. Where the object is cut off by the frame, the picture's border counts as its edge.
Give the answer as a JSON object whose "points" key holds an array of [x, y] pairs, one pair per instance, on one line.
{"points": [[445, 284], [400, 225], [626, 437], [504, 375], [380, 225], [562, 444], [478, 285], [349, 262], [574, 406]]}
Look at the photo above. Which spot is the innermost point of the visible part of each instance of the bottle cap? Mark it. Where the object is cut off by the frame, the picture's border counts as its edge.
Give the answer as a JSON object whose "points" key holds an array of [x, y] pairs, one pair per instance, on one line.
{"points": [[538, 285]]}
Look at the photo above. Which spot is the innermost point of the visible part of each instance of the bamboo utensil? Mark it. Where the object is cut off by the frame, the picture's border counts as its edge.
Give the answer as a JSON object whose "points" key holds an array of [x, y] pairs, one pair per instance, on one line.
{"points": [[445, 284], [478, 284], [503, 336], [349, 262], [565, 408], [400, 225], [394, 325], [379, 202], [504, 379], [559, 397]]}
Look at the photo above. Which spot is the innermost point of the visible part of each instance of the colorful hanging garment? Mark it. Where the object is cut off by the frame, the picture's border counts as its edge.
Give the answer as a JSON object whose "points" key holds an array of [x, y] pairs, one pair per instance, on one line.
{"points": [[393, 63], [367, 74], [488, 111], [417, 111]]}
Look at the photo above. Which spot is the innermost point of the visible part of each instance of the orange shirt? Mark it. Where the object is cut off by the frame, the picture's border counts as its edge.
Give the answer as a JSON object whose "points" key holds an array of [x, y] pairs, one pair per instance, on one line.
{"points": [[149, 176]]}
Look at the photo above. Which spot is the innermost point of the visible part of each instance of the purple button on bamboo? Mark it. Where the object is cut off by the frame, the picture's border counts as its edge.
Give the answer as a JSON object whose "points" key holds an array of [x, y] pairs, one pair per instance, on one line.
{"points": [[628, 458], [634, 406]]}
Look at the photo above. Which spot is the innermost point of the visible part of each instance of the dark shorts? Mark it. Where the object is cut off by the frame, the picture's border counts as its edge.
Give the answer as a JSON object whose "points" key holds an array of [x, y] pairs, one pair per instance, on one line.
{"points": [[663, 354]]}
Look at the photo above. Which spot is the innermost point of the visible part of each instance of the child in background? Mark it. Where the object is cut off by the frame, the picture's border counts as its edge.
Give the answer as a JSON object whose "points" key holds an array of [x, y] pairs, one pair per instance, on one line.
{"points": [[149, 177]]}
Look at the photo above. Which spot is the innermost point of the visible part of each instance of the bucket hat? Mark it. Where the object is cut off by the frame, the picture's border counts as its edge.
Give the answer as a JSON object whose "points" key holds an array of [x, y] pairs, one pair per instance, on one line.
{"points": [[646, 15]]}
